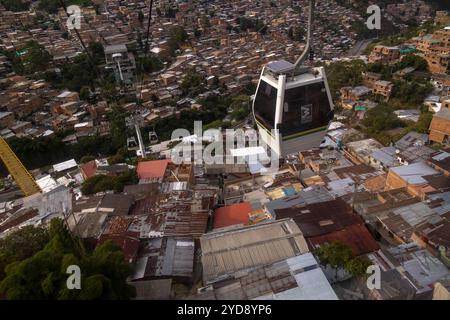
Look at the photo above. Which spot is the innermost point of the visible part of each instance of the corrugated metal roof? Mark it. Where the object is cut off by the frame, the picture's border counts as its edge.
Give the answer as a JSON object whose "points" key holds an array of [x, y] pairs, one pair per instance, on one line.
{"points": [[165, 257], [296, 278], [306, 196], [357, 237], [321, 218], [413, 173], [229, 251], [65, 165]]}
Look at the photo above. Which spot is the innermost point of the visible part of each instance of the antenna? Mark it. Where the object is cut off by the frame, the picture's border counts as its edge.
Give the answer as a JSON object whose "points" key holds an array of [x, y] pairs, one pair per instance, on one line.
{"points": [[307, 50]]}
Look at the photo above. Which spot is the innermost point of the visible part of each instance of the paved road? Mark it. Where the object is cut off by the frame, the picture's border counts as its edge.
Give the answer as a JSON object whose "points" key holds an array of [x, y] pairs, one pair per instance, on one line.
{"points": [[359, 48]]}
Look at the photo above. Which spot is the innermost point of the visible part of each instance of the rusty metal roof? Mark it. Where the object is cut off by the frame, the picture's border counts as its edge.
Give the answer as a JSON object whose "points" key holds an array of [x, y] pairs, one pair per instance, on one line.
{"points": [[321, 218], [357, 237]]}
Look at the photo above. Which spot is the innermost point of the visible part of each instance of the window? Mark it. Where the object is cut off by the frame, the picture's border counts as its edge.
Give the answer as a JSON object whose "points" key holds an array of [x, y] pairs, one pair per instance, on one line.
{"points": [[265, 105], [308, 108]]}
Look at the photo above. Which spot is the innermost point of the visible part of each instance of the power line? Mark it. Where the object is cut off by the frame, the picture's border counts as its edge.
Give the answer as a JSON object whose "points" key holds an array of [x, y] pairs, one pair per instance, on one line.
{"points": [[63, 5], [148, 27], [146, 49]]}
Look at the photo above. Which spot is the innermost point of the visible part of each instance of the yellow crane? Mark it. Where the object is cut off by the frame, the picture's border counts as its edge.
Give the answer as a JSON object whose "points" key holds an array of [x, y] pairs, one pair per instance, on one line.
{"points": [[17, 170]]}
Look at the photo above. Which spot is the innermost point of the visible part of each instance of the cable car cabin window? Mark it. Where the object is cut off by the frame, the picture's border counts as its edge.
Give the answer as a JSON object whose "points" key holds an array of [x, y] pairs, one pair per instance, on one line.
{"points": [[265, 105], [308, 108]]}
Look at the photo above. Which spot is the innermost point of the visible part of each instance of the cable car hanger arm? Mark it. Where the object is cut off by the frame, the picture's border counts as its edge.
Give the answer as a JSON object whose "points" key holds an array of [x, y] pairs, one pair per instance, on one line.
{"points": [[307, 49]]}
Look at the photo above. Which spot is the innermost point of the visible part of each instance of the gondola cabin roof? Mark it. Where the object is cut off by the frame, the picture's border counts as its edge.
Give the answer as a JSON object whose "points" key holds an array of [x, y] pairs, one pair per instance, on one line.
{"points": [[280, 67], [312, 76]]}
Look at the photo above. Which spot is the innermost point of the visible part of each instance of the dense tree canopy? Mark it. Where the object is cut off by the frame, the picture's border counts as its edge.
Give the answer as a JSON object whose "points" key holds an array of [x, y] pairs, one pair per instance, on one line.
{"points": [[423, 125], [213, 108], [52, 6], [240, 106], [149, 64], [43, 275], [117, 118], [44, 151], [97, 51], [101, 183], [193, 83], [412, 60], [296, 33], [381, 118], [32, 58], [177, 37], [15, 5], [343, 74], [21, 245], [245, 24], [411, 93]]}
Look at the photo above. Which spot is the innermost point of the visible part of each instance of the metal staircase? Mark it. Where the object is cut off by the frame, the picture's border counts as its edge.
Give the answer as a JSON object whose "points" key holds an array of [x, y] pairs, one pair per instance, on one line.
{"points": [[17, 170]]}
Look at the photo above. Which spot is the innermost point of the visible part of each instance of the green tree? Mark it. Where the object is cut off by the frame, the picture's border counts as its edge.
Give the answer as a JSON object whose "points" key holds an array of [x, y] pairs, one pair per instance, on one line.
{"points": [[87, 158], [240, 104], [193, 83], [15, 5], [335, 254], [357, 266], [339, 256], [412, 60], [423, 125], [197, 33], [21, 245], [85, 93], [43, 276], [411, 93], [344, 73], [296, 33], [52, 6], [5, 259], [100, 183], [78, 74], [118, 126], [25, 242], [36, 58], [97, 51], [381, 118], [141, 17], [177, 36], [149, 64]]}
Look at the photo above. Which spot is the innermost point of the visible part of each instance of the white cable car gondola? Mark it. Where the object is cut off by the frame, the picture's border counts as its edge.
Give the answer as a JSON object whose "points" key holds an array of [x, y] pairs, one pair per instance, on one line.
{"points": [[132, 144], [153, 137], [293, 105]]}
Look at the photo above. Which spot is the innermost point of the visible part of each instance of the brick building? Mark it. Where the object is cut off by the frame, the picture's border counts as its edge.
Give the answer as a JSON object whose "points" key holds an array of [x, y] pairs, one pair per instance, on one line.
{"points": [[440, 126], [384, 54], [383, 88]]}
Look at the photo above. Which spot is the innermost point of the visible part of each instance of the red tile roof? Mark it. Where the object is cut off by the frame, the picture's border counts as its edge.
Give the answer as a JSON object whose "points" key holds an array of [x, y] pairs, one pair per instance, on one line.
{"points": [[152, 169], [231, 215], [89, 169]]}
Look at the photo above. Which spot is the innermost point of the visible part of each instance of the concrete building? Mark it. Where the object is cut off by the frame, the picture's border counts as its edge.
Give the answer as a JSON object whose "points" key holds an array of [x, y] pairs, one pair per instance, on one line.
{"points": [[121, 61]]}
